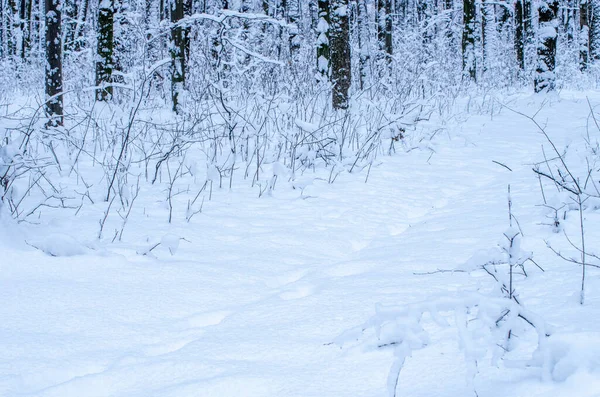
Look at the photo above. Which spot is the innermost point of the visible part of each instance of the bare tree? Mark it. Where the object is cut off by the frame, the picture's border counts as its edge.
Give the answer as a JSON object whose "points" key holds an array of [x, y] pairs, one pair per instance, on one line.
{"points": [[546, 49], [25, 20], [105, 50], [54, 78], [584, 33], [384, 28], [340, 54], [520, 34], [177, 51], [362, 21], [323, 31], [468, 39]]}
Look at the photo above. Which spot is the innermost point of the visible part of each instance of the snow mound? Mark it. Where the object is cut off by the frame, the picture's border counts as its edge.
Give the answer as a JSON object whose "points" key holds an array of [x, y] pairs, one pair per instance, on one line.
{"points": [[59, 245], [564, 355]]}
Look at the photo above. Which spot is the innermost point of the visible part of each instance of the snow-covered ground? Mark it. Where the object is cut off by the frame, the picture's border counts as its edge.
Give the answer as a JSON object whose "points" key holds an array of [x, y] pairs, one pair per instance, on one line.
{"points": [[259, 288]]}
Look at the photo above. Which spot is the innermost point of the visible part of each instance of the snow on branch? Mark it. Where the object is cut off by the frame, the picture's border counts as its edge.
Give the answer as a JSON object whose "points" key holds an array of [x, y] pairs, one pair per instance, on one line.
{"points": [[483, 324]]}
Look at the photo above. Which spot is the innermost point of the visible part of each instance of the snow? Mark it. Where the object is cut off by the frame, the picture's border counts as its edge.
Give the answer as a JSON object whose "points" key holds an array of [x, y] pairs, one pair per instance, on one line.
{"points": [[248, 298]]}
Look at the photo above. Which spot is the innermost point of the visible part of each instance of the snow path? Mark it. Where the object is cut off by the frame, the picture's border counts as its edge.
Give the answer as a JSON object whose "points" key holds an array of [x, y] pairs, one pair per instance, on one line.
{"points": [[248, 307]]}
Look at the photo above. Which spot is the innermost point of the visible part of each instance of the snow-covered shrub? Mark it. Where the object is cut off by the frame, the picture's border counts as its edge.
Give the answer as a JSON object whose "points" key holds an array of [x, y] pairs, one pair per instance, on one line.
{"points": [[483, 327], [10, 167], [574, 173]]}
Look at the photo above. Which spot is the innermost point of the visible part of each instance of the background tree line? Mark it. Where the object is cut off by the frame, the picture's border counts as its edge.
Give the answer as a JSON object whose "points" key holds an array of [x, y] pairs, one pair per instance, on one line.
{"points": [[351, 45]]}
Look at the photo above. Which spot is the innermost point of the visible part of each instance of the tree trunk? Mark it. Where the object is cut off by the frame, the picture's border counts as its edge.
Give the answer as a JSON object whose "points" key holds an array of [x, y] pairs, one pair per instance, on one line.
{"points": [[389, 46], [546, 50], [54, 79], [384, 28], [363, 40], [594, 26], [584, 34], [340, 54], [519, 34], [528, 21], [293, 13], [177, 51], [488, 23], [468, 40], [12, 26], [78, 35], [25, 17], [70, 10], [323, 30], [105, 50], [188, 10], [2, 30]]}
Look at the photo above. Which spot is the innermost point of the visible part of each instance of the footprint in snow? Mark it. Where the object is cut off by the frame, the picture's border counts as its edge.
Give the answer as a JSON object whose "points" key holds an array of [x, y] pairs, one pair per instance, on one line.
{"points": [[207, 319], [349, 269], [301, 291], [172, 346], [282, 280]]}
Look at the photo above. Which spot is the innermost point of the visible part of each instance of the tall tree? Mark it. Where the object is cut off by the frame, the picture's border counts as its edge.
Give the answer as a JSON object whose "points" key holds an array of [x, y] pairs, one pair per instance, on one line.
{"points": [[546, 46], [177, 51], [25, 19], [323, 31], [70, 10], [488, 27], [340, 53], [54, 78], [105, 50], [82, 17], [468, 39], [10, 22], [384, 28], [362, 22], [584, 33], [293, 17], [594, 27], [188, 9], [520, 34], [2, 29]]}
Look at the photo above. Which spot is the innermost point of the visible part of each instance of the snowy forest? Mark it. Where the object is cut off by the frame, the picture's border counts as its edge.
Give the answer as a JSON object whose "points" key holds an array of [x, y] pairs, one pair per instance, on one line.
{"points": [[300, 198]]}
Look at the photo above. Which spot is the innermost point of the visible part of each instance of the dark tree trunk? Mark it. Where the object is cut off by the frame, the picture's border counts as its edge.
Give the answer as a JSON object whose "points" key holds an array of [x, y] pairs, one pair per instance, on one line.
{"points": [[314, 13], [546, 50], [468, 40], [54, 79], [594, 26], [527, 21], [11, 25], [519, 34], [188, 10], [323, 30], [487, 29], [2, 30], [340, 54], [70, 11], [293, 13], [25, 17], [389, 46], [363, 40], [177, 51], [105, 50], [584, 34], [82, 16], [384, 27]]}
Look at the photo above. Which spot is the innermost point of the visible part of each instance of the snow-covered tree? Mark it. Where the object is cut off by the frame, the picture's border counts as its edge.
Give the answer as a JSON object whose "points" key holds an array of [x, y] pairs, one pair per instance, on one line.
{"points": [[341, 76], [105, 50], [54, 76], [546, 47]]}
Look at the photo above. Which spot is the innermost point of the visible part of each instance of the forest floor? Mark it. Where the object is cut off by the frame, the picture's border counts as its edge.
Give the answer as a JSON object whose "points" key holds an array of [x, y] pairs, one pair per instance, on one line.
{"points": [[250, 301]]}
